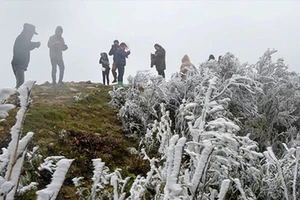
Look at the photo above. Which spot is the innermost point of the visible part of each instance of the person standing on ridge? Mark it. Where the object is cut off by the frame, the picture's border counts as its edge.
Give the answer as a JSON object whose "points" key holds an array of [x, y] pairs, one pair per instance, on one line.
{"points": [[211, 57], [105, 67], [56, 46], [121, 55], [187, 68], [160, 59], [21, 52], [112, 52]]}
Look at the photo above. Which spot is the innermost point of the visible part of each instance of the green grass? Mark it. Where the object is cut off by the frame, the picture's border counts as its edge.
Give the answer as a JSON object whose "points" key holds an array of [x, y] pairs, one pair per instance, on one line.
{"points": [[91, 130]]}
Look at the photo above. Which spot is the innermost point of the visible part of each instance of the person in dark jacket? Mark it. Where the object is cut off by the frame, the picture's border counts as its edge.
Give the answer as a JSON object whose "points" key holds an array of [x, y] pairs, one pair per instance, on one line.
{"points": [[21, 52], [121, 55], [112, 52], [105, 67], [160, 59], [56, 46]]}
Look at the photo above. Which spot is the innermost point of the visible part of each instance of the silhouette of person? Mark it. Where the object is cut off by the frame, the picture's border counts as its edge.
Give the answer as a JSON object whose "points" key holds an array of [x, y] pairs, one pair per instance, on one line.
{"points": [[56, 46], [21, 52]]}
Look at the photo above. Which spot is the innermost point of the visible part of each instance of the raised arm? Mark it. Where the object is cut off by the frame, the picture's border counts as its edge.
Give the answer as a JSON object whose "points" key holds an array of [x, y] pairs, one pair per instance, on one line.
{"points": [[112, 50], [33, 45], [124, 53]]}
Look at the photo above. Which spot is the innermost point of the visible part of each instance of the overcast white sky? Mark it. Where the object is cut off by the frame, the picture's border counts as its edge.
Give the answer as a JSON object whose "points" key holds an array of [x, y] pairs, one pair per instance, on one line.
{"points": [[196, 28]]}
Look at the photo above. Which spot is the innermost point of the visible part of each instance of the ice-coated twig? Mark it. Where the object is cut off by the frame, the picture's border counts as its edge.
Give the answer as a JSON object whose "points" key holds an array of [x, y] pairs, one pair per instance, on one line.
{"points": [[51, 190], [201, 164], [224, 189], [98, 167]]}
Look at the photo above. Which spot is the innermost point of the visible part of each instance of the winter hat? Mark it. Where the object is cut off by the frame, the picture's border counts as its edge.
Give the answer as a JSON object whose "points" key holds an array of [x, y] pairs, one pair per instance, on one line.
{"points": [[29, 28]]}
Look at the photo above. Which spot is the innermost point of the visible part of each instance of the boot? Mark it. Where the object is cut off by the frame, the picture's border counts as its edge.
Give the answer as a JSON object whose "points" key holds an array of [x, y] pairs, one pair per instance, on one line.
{"points": [[120, 84]]}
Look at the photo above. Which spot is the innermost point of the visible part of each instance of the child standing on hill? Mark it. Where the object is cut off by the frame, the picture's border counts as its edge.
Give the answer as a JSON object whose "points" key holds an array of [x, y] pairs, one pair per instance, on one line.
{"points": [[105, 67]]}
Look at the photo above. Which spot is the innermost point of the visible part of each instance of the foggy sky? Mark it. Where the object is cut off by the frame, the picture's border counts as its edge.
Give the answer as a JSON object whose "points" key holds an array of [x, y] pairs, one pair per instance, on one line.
{"points": [[196, 28]]}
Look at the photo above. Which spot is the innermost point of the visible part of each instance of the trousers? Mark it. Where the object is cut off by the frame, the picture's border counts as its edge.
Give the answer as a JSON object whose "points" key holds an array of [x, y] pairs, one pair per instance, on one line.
{"points": [[61, 65], [20, 76], [121, 70]]}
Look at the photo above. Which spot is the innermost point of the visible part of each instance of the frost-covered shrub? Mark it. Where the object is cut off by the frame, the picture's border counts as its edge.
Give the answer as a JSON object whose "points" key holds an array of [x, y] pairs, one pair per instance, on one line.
{"points": [[139, 104], [106, 184], [278, 104], [264, 98], [199, 143], [213, 153], [281, 175]]}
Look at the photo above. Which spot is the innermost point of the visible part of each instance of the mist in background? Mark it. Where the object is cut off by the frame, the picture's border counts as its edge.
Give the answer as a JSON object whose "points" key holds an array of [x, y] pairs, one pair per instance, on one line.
{"points": [[196, 28]]}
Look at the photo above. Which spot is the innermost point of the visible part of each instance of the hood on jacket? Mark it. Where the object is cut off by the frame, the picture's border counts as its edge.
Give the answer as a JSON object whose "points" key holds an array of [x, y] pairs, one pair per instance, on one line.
{"points": [[186, 63], [185, 59], [104, 55], [59, 31]]}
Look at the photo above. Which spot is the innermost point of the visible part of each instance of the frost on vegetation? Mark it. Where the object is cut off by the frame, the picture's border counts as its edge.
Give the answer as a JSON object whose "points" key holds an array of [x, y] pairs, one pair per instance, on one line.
{"points": [[102, 179], [77, 181], [51, 190], [4, 106], [203, 137], [12, 158], [31, 186], [77, 98], [50, 163], [226, 112]]}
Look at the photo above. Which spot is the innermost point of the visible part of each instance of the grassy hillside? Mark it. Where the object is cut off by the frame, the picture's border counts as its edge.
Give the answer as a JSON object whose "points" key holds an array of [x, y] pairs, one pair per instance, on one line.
{"points": [[75, 121]]}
